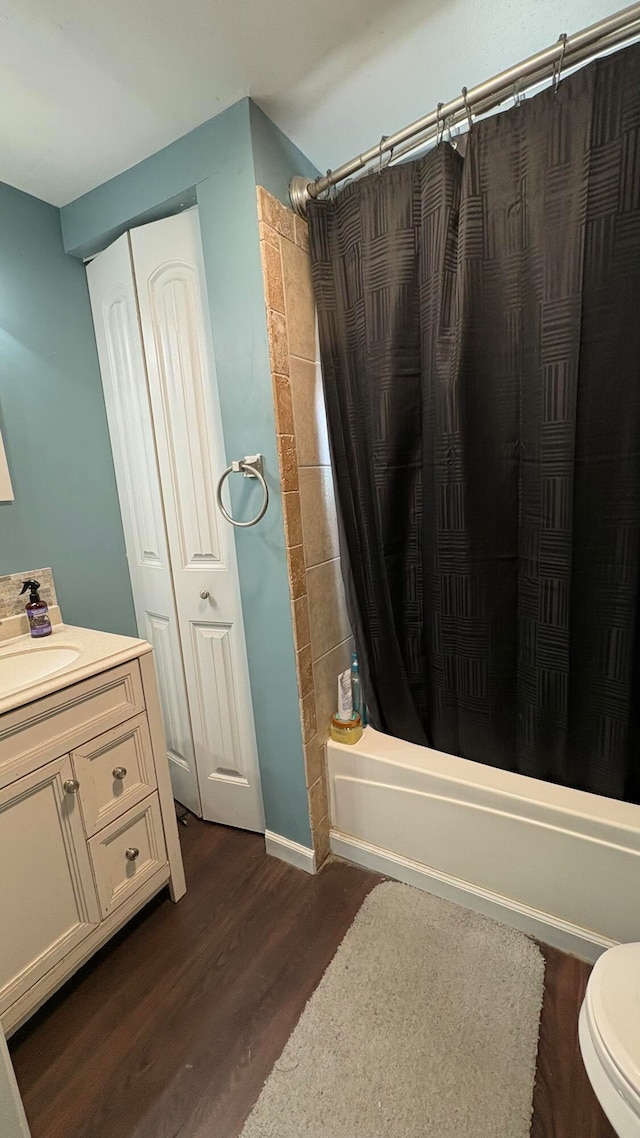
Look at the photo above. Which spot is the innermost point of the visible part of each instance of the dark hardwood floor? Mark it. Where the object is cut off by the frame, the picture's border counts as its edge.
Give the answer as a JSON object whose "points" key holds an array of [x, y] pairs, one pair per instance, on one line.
{"points": [[171, 1030], [564, 1106]]}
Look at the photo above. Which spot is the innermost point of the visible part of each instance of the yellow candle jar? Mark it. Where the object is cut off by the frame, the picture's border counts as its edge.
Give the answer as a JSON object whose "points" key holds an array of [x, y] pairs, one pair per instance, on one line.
{"points": [[346, 730]]}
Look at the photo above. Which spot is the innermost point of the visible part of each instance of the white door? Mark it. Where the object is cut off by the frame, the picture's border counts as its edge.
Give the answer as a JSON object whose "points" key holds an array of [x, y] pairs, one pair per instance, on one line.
{"points": [[115, 318], [48, 902], [172, 300]]}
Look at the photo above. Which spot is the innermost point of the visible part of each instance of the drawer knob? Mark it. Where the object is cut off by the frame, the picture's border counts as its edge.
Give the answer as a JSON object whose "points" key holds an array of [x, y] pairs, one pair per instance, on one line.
{"points": [[132, 853], [204, 593], [119, 773], [71, 786]]}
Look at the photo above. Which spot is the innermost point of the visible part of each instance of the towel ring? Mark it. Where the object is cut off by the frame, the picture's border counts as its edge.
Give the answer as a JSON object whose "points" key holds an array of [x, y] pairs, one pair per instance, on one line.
{"points": [[252, 466]]}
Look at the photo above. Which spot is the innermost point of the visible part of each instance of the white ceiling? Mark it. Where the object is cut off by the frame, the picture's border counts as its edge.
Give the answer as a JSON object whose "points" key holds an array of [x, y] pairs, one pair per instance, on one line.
{"points": [[87, 89]]}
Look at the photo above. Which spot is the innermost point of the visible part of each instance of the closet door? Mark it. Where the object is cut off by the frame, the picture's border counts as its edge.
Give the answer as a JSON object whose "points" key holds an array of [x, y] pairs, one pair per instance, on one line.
{"points": [[124, 380], [174, 317]]}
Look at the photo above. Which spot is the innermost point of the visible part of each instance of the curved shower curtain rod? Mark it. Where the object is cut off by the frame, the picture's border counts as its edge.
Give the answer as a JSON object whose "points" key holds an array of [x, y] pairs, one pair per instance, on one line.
{"points": [[567, 52]]}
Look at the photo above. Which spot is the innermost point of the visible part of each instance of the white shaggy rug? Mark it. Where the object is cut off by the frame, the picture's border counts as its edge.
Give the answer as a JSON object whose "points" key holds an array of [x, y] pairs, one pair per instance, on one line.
{"points": [[424, 1024]]}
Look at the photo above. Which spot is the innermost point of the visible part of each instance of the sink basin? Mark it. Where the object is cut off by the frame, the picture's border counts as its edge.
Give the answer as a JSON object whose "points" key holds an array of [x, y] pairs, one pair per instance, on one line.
{"points": [[19, 669]]}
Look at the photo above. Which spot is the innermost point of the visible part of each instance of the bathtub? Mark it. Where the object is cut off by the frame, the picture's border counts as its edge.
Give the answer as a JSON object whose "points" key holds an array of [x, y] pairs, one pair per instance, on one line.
{"points": [[559, 864]]}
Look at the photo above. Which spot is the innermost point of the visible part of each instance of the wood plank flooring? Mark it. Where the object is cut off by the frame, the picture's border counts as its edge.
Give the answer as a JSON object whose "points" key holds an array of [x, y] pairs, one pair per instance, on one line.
{"points": [[171, 1030], [564, 1106]]}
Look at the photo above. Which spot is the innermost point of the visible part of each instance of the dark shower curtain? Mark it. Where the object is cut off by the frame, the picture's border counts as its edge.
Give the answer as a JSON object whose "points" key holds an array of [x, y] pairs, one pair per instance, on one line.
{"points": [[479, 325]]}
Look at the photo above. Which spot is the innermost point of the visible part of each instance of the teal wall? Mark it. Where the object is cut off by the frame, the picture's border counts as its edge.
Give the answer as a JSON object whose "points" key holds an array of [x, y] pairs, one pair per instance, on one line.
{"points": [[141, 193], [54, 426], [276, 159], [221, 162], [165, 182]]}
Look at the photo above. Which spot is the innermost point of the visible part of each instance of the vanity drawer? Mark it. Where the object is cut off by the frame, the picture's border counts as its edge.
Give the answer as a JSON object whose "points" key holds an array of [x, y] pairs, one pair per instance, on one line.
{"points": [[48, 727], [115, 771], [127, 853]]}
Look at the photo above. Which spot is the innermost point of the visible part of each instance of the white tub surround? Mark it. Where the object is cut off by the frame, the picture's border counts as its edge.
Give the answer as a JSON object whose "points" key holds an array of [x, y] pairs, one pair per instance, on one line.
{"points": [[87, 822], [560, 864]]}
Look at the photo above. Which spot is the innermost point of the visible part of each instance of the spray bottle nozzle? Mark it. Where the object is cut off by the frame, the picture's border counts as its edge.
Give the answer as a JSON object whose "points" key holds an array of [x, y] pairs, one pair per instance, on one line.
{"points": [[33, 586]]}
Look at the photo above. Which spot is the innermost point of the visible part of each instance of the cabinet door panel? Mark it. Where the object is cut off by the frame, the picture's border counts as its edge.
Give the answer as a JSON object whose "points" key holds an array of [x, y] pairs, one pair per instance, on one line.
{"points": [[115, 771], [138, 833], [48, 900]]}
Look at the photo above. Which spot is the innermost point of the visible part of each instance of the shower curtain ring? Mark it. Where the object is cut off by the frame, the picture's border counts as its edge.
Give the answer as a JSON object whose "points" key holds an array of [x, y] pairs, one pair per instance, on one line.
{"points": [[439, 125], [467, 109], [562, 39], [382, 142]]}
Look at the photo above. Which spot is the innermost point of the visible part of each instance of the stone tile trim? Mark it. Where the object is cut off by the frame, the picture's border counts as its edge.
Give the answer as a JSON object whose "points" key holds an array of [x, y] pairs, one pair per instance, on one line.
{"points": [[314, 759], [301, 622], [11, 603], [308, 717], [321, 839], [278, 225], [318, 801], [305, 671], [272, 213]]}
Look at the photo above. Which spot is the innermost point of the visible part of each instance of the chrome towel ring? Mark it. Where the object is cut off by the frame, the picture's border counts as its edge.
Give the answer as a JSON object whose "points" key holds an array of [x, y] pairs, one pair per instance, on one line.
{"points": [[252, 466]]}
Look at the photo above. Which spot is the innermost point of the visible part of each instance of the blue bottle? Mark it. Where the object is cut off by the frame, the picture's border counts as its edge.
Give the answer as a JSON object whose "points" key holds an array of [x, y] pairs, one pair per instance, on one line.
{"points": [[356, 689]]}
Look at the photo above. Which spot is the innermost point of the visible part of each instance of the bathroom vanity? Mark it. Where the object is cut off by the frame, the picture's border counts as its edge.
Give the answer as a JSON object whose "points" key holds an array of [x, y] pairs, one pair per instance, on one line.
{"points": [[87, 821]]}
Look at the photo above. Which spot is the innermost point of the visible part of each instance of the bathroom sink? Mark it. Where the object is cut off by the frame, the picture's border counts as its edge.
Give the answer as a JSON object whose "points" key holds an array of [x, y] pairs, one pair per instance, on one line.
{"points": [[19, 669]]}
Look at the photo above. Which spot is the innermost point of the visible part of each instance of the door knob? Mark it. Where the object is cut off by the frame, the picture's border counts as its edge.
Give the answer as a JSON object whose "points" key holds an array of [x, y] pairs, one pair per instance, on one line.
{"points": [[119, 773], [132, 853], [204, 593], [71, 786]]}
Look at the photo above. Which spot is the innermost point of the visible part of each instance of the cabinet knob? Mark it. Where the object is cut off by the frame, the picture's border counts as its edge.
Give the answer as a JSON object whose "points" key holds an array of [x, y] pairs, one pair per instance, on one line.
{"points": [[119, 773], [204, 593], [71, 786], [132, 853]]}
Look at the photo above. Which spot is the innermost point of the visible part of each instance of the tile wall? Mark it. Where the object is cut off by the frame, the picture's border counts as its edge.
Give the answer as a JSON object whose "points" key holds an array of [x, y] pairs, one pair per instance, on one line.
{"points": [[321, 627], [13, 620], [11, 603]]}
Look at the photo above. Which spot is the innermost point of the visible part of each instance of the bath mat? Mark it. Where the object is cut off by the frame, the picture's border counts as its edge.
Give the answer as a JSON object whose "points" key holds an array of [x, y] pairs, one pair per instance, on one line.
{"points": [[424, 1024]]}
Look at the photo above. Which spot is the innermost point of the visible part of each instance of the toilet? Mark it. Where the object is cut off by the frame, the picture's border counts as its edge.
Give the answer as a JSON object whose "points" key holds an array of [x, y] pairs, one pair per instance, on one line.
{"points": [[609, 1032]]}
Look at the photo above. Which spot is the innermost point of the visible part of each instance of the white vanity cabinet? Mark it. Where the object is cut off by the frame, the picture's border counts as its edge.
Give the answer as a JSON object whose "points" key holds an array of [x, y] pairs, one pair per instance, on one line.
{"points": [[87, 826], [47, 893]]}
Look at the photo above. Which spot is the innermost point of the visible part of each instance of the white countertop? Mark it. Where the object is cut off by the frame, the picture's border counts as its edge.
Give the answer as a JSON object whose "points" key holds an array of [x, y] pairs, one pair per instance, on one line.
{"points": [[97, 652]]}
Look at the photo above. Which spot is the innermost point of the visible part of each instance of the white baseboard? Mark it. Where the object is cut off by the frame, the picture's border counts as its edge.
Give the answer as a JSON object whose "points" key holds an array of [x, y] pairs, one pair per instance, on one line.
{"points": [[301, 856], [543, 926]]}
